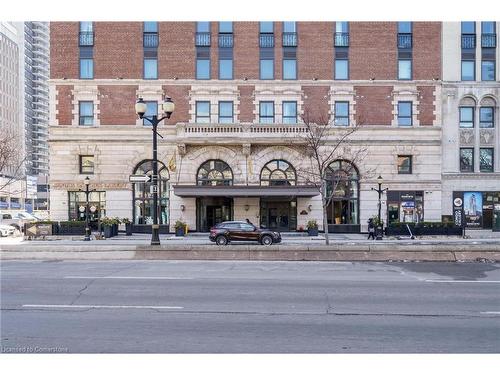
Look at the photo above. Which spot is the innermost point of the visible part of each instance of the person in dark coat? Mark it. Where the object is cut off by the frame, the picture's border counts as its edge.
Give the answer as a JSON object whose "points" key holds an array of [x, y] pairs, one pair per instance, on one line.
{"points": [[371, 229]]}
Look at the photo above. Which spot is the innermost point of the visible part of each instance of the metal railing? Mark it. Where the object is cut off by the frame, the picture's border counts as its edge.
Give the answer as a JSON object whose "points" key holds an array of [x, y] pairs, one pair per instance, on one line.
{"points": [[151, 40], [289, 39], [225, 40], [489, 40], [86, 38], [266, 40], [341, 39], [202, 39], [405, 41], [468, 41]]}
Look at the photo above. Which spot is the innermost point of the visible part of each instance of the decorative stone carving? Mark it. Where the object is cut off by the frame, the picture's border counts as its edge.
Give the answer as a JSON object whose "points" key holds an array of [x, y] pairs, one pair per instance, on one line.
{"points": [[466, 137], [486, 137], [247, 149], [181, 149]]}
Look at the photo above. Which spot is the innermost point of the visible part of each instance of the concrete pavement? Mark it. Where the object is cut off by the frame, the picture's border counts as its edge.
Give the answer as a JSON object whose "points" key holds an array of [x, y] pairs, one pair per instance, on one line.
{"points": [[257, 307]]}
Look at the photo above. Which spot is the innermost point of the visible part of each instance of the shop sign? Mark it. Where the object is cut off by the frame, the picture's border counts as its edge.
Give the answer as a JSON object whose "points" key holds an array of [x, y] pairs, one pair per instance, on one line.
{"points": [[458, 211], [473, 208], [93, 209], [81, 208]]}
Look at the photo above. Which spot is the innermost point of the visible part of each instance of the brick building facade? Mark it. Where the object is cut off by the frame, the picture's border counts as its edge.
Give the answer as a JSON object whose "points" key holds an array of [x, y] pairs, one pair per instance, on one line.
{"points": [[231, 150]]}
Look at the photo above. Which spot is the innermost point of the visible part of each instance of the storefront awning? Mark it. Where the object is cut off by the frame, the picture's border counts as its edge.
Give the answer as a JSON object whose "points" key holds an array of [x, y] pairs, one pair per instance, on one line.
{"points": [[244, 191]]}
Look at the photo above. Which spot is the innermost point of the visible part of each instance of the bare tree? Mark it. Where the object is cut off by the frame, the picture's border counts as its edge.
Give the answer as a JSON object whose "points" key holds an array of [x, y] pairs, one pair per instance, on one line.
{"points": [[324, 144], [11, 160]]}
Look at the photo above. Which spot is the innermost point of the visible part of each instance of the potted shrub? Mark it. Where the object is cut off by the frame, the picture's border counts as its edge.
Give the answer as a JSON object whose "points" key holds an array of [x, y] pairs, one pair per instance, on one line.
{"points": [[180, 228], [379, 227], [312, 228], [128, 226], [107, 224], [116, 222]]}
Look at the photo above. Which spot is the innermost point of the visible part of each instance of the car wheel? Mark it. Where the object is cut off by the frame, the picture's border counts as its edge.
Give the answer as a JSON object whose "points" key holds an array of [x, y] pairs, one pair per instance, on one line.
{"points": [[221, 240], [266, 240]]}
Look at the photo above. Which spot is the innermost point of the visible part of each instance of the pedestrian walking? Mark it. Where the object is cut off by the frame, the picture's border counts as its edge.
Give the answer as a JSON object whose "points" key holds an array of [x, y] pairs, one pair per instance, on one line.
{"points": [[371, 229]]}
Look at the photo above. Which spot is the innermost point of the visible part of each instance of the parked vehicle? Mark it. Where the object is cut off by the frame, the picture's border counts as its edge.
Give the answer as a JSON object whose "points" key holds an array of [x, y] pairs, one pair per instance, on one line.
{"points": [[6, 230], [228, 231], [17, 219]]}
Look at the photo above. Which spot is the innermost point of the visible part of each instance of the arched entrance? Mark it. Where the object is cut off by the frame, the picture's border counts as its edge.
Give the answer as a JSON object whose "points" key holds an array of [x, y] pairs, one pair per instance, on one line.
{"points": [[143, 197], [211, 211], [343, 186]]}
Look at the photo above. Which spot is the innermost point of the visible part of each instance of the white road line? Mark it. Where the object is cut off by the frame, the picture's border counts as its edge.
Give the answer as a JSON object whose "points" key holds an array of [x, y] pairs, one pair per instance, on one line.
{"points": [[130, 277], [491, 312], [104, 307], [463, 281]]}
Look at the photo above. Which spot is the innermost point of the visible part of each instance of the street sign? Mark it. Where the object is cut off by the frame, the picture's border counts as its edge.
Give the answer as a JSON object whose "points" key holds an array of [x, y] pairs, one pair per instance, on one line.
{"points": [[153, 189], [38, 230], [139, 178]]}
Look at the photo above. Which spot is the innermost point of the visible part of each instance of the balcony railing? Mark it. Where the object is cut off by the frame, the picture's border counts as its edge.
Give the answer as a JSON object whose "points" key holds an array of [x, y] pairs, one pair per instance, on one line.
{"points": [[468, 41], [86, 38], [341, 39], [266, 40], [151, 40], [489, 40], [202, 39], [226, 40], [289, 39], [404, 41]]}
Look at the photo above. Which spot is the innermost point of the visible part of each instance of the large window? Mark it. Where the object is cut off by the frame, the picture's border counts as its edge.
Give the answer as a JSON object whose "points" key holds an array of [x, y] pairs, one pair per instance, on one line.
{"points": [[266, 112], [86, 164], [86, 113], [226, 112], [203, 112], [343, 187], [341, 69], [78, 203], [151, 110], [404, 69], [466, 117], [86, 68], [214, 173], [266, 27], [487, 70], [405, 114], [289, 112], [150, 68], [143, 196], [486, 117], [266, 69], [486, 160], [151, 27], [202, 69], [278, 173], [466, 160], [405, 164], [341, 114], [225, 27], [468, 70], [225, 69], [289, 68]]}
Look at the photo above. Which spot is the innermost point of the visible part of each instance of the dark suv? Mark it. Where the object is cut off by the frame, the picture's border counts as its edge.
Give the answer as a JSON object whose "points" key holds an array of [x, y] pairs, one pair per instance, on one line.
{"points": [[228, 231]]}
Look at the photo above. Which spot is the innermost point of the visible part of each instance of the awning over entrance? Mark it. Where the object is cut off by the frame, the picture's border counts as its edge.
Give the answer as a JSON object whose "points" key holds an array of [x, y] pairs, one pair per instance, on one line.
{"points": [[244, 191]]}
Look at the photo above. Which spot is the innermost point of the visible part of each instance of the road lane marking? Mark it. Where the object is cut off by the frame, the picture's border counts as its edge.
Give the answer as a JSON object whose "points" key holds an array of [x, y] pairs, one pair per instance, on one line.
{"points": [[462, 281], [104, 307], [491, 312], [130, 277]]}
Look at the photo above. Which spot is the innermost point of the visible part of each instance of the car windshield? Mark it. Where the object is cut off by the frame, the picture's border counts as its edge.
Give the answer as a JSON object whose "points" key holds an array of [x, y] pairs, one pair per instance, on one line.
{"points": [[25, 215]]}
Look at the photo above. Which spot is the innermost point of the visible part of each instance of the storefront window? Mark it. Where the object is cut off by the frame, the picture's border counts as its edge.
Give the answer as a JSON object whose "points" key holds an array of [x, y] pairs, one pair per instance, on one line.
{"points": [[77, 205], [143, 197], [278, 173], [343, 186], [405, 206]]}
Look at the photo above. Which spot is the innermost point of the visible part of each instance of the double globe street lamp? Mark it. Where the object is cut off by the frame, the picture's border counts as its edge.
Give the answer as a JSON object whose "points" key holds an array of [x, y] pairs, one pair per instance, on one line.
{"points": [[168, 108]]}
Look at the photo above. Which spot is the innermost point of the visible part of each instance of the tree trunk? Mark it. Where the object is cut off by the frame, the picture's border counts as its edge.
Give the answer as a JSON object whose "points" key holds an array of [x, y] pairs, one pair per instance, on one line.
{"points": [[324, 202]]}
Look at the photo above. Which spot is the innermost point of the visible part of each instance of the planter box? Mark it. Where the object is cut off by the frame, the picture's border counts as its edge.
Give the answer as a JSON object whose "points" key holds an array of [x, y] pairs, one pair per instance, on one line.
{"points": [[128, 229], [108, 231], [180, 232], [424, 231], [71, 229], [312, 232]]}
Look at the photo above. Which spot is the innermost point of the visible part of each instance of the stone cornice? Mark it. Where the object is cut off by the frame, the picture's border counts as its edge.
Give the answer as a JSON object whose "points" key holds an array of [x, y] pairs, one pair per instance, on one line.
{"points": [[471, 176]]}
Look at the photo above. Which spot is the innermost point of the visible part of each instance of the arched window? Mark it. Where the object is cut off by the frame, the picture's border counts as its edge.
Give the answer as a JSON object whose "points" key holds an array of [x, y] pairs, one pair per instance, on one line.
{"points": [[143, 197], [343, 187], [278, 173], [214, 173]]}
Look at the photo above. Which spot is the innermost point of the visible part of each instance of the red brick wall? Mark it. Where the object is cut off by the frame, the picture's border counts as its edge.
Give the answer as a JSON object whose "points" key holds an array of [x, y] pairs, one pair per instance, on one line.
{"points": [[316, 107], [65, 104], [278, 50], [118, 50], [176, 50], [246, 50], [374, 105], [426, 107], [246, 103], [372, 50], [116, 104], [214, 50], [64, 50], [180, 96], [315, 50], [426, 50]]}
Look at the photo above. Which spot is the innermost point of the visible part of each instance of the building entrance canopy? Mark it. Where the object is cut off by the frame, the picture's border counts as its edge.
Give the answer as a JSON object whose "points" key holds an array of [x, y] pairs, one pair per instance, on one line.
{"points": [[245, 191]]}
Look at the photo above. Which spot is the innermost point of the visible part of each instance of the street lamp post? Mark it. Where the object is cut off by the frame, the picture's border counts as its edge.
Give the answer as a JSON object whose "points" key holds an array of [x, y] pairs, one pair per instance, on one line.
{"points": [[380, 180], [168, 107]]}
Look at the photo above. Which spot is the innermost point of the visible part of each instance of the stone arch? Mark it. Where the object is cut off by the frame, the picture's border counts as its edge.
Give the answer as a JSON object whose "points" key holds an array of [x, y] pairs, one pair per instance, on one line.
{"points": [[468, 100], [194, 159], [264, 156], [488, 101]]}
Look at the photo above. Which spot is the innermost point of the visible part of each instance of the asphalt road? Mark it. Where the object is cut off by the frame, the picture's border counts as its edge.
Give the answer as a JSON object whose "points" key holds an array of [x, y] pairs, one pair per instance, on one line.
{"points": [[249, 307]]}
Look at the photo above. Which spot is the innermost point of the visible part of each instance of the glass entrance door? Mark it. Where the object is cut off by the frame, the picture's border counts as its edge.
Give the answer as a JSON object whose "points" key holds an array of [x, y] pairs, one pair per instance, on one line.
{"points": [[278, 215], [211, 211]]}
